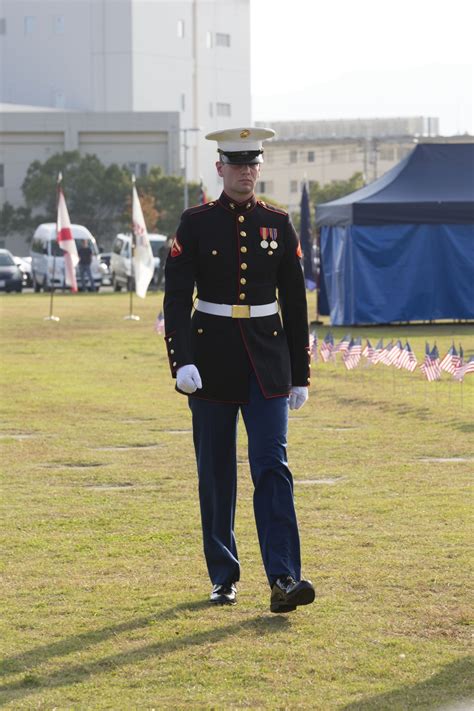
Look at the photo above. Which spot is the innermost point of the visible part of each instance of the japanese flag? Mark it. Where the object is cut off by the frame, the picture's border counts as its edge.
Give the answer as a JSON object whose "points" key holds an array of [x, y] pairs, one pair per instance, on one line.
{"points": [[143, 260], [66, 241]]}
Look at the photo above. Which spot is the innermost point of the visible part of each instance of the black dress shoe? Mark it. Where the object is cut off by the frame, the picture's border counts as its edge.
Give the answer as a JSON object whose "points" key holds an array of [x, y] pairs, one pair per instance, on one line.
{"points": [[288, 593], [224, 595]]}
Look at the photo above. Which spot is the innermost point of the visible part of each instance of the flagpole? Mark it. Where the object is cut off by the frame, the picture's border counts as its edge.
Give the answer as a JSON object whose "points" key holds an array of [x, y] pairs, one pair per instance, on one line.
{"points": [[51, 317], [131, 316]]}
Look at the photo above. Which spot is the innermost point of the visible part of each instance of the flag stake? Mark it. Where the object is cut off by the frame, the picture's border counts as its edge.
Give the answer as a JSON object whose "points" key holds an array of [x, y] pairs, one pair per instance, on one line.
{"points": [[51, 317]]}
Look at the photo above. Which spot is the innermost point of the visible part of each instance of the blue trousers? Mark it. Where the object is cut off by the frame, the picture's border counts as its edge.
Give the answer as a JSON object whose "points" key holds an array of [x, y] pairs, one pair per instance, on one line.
{"points": [[215, 442], [86, 271]]}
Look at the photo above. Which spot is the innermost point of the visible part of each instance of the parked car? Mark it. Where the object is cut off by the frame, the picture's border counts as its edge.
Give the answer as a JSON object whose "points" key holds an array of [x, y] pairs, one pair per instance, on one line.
{"points": [[120, 263], [104, 264], [47, 266], [24, 265], [11, 278]]}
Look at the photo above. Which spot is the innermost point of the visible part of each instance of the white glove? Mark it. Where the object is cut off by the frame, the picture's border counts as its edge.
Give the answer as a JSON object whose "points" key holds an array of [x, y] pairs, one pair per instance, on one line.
{"points": [[298, 397], [188, 379]]}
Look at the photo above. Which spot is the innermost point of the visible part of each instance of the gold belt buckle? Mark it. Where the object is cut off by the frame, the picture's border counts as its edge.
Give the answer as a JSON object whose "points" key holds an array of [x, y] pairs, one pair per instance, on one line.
{"points": [[241, 311]]}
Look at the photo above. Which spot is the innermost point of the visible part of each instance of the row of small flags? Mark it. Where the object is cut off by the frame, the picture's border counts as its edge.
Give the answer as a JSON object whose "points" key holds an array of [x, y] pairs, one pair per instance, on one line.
{"points": [[394, 354]]}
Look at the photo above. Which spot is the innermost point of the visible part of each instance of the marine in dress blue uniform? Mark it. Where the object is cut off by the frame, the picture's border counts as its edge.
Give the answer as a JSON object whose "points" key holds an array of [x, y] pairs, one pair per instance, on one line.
{"points": [[243, 349]]}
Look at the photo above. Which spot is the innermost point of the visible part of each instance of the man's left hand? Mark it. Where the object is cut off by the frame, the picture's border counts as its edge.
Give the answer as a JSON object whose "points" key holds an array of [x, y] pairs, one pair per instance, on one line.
{"points": [[298, 397]]}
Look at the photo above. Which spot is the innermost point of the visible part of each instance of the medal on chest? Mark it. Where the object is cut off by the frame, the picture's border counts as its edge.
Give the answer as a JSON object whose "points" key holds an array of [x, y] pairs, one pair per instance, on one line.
{"points": [[269, 237]]}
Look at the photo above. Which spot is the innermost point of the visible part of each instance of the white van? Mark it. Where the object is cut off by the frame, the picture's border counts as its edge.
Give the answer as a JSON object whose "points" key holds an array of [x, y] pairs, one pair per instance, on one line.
{"points": [[47, 257], [120, 261]]}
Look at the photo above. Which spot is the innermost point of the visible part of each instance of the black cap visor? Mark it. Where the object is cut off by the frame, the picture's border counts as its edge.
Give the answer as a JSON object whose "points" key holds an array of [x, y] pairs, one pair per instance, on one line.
{"points": [[241, 157]]}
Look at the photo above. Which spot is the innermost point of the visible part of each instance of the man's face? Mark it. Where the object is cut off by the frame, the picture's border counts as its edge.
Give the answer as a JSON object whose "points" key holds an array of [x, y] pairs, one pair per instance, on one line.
{"points": [[239, 180]]}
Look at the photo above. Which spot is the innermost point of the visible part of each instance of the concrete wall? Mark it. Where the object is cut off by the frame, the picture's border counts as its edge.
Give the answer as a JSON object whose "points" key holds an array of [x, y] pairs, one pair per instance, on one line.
{"points": [[150, 138]]}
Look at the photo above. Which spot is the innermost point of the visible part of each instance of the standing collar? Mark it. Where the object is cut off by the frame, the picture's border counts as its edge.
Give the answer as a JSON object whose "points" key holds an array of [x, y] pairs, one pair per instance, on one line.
{"points": [[238, 207]]}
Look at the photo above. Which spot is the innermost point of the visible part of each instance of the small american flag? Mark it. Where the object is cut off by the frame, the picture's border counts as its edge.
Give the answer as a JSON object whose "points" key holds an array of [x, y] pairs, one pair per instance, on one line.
{"points": [[464, 369], [395, 353], [430, 366], [448, 364], [327, 347], [343, 344], [378, 352], [385, 355], [160, 324], [352, 356], [407, 359], [368, 351]]}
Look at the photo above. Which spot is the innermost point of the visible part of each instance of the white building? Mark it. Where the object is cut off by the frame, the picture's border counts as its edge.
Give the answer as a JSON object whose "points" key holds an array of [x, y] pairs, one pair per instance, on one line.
{"points": [[185, 56]]}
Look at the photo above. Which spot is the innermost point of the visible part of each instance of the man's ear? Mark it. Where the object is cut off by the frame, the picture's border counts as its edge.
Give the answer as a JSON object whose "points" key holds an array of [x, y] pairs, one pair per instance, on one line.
{"points": [[219, 167]]}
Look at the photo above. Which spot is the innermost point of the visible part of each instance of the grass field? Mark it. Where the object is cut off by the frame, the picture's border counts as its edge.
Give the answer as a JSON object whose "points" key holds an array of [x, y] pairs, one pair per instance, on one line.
{"points": [[104, 583]]}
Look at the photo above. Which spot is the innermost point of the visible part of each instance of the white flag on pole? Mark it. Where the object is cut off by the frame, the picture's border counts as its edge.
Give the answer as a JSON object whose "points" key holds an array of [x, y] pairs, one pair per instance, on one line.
{"points": [[66, 240], [143, 260]]}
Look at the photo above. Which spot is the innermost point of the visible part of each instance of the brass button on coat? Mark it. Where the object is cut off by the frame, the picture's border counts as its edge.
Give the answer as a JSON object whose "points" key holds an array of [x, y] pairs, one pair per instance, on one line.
{"points": [[243, 249], [243, 281], [241, 218], [269, 252], [275, 333], [200, 330], [232, 206], [214, 252], [175, 364], [172, 352], [242, 297], [243, 266], [243, 234]]}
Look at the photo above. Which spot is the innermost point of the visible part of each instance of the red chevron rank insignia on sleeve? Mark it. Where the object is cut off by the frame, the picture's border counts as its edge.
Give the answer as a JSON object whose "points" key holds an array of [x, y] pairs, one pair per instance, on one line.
{"points": [[176, 248]]}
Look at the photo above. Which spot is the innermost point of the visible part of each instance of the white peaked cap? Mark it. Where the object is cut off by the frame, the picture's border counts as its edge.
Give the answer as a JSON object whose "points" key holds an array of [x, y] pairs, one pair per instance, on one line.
{"points": [[239, 143]]}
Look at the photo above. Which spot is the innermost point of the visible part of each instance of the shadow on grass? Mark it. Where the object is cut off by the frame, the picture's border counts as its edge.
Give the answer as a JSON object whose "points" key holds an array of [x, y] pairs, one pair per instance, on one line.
{"points": [[75, 673], [452, 685]]}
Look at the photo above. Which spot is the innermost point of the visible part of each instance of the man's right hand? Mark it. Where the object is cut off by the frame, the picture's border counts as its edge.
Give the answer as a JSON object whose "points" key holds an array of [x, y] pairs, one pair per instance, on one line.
{"points": [[188, 379]]}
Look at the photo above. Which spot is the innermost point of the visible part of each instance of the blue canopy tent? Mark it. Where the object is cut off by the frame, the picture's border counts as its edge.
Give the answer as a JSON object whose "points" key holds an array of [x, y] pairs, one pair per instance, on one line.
{"points": [[402, 248]]}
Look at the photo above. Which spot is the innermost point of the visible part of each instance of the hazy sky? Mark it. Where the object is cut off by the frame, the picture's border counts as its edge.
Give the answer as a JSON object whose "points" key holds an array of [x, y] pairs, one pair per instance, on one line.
{"points": [[316, 59]]}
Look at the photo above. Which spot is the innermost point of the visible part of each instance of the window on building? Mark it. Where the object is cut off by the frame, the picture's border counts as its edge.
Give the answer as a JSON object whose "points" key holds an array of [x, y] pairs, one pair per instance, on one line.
{"points": [[265, 186], [310, 156], [139, 170], [183, 102], [29, 24], [222, 39], [59, 24], [293, 156], [180, 29], [2, 175], [3, 26], [209, 43], [223, 109], [293, 186]]}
